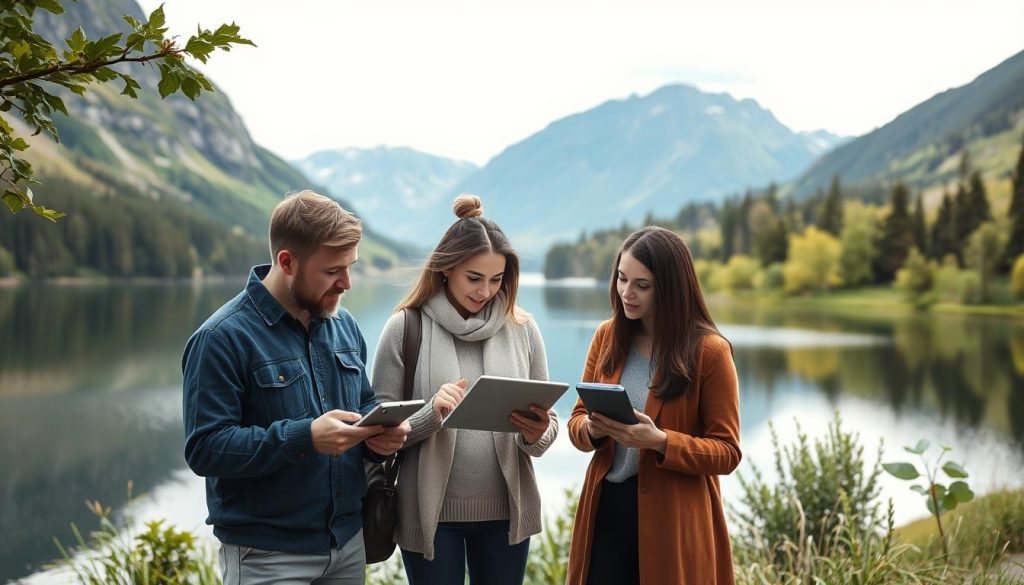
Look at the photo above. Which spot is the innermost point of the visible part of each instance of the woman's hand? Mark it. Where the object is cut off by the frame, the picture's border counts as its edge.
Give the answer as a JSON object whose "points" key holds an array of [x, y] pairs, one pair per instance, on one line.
{"points": [[448, 397], [642, 435], [532, 427]]}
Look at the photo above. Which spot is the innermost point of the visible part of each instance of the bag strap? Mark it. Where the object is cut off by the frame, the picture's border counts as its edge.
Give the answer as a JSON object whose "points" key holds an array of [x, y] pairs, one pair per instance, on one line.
{"points": [[411, 338]]}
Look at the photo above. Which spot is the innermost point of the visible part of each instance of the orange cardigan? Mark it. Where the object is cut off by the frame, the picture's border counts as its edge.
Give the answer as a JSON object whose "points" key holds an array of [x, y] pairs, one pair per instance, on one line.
{"points": [[683, 535]]}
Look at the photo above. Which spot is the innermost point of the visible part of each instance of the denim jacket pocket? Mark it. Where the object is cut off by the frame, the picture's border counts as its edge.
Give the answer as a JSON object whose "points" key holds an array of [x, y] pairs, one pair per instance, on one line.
{"points": [[283, 389], [352, 374]]}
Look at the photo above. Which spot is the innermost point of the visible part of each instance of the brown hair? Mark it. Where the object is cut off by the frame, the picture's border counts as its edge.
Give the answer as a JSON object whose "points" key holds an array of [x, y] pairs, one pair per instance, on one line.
{"points": [[304, 221], [680, 320], [470, 235]]}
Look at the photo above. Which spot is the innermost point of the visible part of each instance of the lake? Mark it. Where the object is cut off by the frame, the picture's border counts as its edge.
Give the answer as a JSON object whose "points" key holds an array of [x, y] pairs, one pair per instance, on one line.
{"points": [[90, 394]]}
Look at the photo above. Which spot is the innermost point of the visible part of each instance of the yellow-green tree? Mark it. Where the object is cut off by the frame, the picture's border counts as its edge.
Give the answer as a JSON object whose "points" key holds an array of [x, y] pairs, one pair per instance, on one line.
{"points": [[984, 249], [1017, 277], [859, 233], [813, 262]]}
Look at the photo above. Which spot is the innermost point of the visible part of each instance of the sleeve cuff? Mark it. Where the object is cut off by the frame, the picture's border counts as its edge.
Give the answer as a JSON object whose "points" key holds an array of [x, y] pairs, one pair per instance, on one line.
{"points": [[298, 439]]}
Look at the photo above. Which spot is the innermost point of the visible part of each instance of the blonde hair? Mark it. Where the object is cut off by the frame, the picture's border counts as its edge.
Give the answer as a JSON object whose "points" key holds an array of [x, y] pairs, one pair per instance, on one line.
{"points": [[470, 235], [304, 221]]}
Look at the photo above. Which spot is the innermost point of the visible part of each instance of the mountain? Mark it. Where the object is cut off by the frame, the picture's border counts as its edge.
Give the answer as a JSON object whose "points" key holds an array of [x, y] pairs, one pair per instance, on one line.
{"points": [[625, 158], [392, 185], [188, 172], [922, 146]]}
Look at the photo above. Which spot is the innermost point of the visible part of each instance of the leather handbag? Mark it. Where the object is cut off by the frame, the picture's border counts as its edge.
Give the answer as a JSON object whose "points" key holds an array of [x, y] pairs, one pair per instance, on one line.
{"points": [[380, 504]]}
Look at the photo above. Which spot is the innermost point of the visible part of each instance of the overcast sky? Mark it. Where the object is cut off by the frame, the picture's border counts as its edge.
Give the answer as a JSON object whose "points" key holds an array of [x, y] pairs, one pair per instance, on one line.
{"points": [[465, 79]]}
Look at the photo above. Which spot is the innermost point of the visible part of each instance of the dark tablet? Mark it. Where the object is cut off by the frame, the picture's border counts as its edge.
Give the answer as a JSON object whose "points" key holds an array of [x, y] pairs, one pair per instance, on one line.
{"points": [[610, 400]]}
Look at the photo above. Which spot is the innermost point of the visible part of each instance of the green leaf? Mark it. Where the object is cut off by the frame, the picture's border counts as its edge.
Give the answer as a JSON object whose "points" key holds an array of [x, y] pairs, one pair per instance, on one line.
{"points": [[954, 469], [76, 42], [105, 47], [19, 144], [51, 6], [961, 492], [132, 21], [949, 502], [13, 201], [169, 82], [50, 214], [931, 507], [190, 87], [156, 18], [20, 49], [920, 448], [901, 470], [919, 489]]}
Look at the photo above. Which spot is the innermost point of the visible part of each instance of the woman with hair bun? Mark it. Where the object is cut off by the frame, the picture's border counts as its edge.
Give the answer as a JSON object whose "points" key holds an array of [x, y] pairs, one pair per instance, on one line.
{"points": [[467, 499]]}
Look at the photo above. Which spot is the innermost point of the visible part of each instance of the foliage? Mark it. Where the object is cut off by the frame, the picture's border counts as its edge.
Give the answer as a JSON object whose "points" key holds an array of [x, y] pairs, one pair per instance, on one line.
{"points": [[770, 279], [984, 251], [1017, 277], [915, 280], [897, 236], [947, 281], [938, 497], [738, 274], [390, 572], [158, 556], [858, 245], [819, 488], [813, 262], [30, 68], [549, 551]]}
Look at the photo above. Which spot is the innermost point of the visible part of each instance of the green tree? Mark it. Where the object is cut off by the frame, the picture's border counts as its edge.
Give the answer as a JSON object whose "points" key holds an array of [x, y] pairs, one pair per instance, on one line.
{"points": [[813, 262], [944, 233], [832, 209], [860, 231], [915, 279], [1015, 245], [918, 226], [558, 261], [984, 249], [1017, 277], [31, 68], [897, 236]]}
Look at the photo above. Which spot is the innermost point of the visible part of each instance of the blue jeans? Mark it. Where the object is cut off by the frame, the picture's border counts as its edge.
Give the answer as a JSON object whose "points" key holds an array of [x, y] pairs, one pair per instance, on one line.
{"points": [[483, 546]]}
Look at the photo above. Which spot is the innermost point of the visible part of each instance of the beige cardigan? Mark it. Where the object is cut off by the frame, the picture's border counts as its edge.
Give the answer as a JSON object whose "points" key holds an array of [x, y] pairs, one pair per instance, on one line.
{"points": [[431, 448]]}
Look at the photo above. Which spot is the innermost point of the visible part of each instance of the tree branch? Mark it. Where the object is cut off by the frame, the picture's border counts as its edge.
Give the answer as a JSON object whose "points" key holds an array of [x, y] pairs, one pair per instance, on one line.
{"points": [[85, 68]]}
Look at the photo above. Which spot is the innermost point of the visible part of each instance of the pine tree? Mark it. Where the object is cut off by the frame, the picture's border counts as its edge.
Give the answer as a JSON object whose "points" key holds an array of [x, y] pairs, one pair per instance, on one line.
{"points": [[832, 210], [1015, 246], [918, 226], [943, 240], [978, 198], [897, 236]]}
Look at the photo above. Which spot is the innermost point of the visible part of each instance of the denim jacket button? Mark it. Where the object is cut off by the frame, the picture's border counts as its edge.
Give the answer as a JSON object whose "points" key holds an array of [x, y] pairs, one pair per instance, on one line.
{"points": [[280, 378]]}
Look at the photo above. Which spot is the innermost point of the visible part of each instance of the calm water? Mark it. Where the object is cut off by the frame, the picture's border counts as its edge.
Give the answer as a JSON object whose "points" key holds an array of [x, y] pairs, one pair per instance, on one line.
{"points": [[90, 394]]}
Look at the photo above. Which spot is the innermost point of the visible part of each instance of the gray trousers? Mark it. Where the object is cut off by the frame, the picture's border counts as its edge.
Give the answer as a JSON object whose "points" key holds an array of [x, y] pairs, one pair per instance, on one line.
{"points": [[243, 565]]}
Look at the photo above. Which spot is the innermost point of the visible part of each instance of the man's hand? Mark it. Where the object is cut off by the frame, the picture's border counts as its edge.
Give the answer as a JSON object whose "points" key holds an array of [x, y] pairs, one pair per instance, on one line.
{"points": [[642, 435], [448, 397], [333, 435], [532, 430], [390, 440]]}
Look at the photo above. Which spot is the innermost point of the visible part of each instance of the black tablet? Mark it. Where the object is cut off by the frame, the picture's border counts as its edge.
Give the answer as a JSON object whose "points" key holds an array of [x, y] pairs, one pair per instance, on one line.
{"points": [[610, 400]]}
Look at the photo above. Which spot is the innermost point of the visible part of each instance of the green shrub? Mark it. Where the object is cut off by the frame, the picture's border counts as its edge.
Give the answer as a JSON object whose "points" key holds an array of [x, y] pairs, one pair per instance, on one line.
{"points": [[804, 505], [158, 556], [1017, 277]]}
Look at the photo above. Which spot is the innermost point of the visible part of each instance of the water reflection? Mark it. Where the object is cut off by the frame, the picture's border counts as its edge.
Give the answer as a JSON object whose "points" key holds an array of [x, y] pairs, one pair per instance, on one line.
{"points": [[90, 389]]}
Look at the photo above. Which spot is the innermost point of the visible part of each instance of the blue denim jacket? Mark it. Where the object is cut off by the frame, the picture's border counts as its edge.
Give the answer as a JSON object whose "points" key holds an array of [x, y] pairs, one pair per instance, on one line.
{"points": [[254, 380]]}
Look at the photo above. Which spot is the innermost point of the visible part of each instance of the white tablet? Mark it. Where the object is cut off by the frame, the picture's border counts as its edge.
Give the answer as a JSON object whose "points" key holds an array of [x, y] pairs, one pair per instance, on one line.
{"points": [[492, 399]]}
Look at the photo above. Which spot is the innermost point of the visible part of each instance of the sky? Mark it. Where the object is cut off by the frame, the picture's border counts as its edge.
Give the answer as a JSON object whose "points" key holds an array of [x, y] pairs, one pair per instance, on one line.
{"points": [[465, 79]]}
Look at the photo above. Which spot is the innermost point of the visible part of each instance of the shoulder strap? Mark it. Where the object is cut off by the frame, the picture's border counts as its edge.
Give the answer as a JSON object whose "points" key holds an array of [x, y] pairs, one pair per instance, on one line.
{"points": [[411, 338], [411, 347]]}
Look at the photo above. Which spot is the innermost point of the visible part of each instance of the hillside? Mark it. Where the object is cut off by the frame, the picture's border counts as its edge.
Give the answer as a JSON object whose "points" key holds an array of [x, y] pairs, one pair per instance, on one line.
{"points": [[194, 161], [922, 147]]}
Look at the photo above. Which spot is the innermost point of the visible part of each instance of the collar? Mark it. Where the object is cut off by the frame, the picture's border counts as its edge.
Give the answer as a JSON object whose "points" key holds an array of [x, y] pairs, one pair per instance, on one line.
{"points": [[264, 302]]}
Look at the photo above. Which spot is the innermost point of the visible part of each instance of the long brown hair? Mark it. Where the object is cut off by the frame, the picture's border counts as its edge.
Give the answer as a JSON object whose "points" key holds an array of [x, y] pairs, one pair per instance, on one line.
{"points": [[680, 320], [470, 235]]}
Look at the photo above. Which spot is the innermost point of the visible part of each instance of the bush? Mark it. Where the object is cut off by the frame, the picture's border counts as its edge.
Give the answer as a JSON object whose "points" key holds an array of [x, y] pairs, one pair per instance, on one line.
{"points": [[159, 556], [739, 273], [818, 489], [1017, 277], [915, 280], [770, 279]]}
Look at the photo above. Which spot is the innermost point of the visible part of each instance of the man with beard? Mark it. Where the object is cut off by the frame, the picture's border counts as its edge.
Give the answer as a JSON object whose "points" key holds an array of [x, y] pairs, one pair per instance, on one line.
{"points": [[272, 381]]}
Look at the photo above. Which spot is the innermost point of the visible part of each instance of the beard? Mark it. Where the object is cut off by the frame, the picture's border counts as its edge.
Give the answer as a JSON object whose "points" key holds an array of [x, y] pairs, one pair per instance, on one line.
{"points": [[322, 306]]}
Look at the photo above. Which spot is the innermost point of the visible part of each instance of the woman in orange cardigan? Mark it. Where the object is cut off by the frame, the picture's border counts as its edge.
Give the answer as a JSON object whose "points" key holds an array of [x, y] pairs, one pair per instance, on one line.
{"points": [[651, 509]]}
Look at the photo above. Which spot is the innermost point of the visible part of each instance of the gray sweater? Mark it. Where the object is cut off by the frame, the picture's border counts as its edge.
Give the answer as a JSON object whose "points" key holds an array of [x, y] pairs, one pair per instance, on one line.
{"points": [[491, 476]]}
